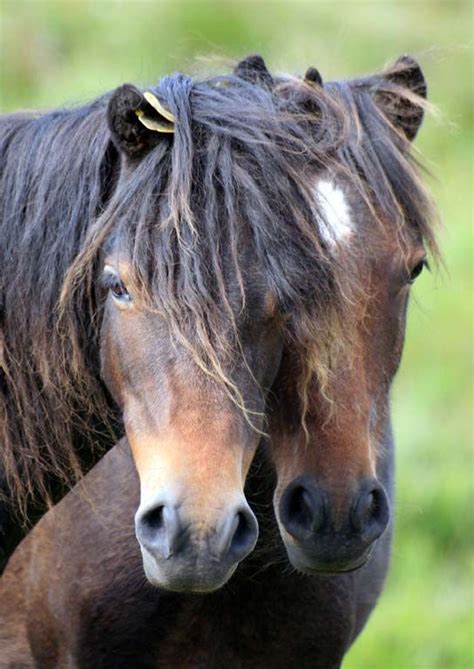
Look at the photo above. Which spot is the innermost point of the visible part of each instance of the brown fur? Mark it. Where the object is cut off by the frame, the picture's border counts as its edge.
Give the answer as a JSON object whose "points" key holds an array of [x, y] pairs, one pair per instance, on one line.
{"points": [[346, 423], [87, 604]]}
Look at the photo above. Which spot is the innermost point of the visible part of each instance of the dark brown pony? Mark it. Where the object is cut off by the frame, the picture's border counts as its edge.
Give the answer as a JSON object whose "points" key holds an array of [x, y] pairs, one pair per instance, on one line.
{"points": [[328, 421], [158, 250]]}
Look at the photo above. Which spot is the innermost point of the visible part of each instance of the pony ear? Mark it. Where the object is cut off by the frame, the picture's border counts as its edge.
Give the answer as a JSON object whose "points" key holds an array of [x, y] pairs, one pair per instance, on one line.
{"points": [[253, 69], [402, 100], [313, 77], [137, 121]]}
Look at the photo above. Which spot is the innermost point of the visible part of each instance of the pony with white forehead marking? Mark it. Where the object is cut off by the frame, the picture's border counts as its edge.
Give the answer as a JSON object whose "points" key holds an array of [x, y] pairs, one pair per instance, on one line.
{"points": [[321, 484]]}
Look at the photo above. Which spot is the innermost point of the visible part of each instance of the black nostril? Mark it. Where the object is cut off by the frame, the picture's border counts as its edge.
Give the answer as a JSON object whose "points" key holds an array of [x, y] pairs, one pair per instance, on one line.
{"points": [[152, 521], [159, 530], [302, 510], [238, 536], [364, 510], [370, 513], [240, 539], [299, 506]]}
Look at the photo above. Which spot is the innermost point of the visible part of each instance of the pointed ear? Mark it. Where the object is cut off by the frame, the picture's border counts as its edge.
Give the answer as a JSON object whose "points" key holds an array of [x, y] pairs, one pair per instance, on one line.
{"points": [[254, 70], [137, 121], [313, 77], [401, 94]]}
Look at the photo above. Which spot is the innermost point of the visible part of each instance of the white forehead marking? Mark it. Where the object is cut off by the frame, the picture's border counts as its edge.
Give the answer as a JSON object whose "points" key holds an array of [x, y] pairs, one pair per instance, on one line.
{"points": [[336, 225]]}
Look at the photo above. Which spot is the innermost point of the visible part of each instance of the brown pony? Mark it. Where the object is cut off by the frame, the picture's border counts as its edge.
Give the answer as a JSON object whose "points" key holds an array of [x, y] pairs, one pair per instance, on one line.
{"points": [[328, 424], [158, 250]]}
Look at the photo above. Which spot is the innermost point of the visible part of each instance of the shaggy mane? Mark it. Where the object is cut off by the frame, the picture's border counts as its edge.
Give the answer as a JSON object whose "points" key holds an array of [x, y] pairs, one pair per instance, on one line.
{"points": [[241, 165]]}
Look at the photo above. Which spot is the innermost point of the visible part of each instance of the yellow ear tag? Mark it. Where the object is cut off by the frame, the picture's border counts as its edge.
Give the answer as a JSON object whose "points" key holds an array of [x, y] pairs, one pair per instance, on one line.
{"points": [[156, 104], [151, 124]]}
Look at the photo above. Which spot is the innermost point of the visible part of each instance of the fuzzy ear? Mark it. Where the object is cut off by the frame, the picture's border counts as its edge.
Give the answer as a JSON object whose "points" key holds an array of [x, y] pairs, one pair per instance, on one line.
{"points": [[313, 77], [137, 121], [254, 70], [404, 83]]}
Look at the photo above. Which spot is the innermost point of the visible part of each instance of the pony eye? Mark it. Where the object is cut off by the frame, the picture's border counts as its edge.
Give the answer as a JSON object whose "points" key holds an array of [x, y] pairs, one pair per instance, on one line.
{"points": [[417, 270], [118, 290], [114, 283]]}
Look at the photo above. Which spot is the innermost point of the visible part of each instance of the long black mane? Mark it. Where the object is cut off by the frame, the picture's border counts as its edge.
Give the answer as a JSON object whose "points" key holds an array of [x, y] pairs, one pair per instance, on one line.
{"points": [[241, 165]]}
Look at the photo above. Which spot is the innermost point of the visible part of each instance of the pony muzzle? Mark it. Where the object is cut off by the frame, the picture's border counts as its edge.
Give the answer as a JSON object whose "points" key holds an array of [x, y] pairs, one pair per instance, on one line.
{"points": [[185, 549], [325, 536], [193, 524]]}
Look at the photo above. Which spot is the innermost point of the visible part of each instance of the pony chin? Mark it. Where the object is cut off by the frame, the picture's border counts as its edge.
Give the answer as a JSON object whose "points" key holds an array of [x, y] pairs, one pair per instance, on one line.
{"points": [[197, 578], [315, 565]]}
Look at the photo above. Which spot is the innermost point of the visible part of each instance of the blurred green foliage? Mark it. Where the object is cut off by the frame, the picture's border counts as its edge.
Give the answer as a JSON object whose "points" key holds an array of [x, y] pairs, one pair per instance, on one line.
{"points": [[54, 53]]}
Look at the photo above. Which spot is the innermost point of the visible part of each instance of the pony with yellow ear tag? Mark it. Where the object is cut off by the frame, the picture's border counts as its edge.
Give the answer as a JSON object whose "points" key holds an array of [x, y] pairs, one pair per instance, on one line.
{"points": [[165, 125]]}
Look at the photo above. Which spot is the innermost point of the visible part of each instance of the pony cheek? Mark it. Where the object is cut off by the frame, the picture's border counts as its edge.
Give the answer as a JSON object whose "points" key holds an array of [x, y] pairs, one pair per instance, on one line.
{"points": [[111, 370]]}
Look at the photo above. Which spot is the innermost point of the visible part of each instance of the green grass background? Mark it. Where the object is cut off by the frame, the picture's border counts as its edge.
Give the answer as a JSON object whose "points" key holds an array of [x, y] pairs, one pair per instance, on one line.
{"points": [[53, 53]]}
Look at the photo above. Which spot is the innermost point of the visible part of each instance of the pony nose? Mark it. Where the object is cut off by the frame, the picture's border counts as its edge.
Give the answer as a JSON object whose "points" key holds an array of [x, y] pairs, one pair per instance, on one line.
{"points": [[163, 532], [303, 509], [369, 514]]}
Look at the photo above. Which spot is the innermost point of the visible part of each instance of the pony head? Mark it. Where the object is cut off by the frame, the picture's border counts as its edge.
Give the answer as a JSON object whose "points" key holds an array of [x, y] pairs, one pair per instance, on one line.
{"points": [[210, 260], [332, 455]]}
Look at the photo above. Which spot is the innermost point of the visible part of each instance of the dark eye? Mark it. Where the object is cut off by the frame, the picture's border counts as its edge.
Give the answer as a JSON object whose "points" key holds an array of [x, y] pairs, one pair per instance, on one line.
{"points": [[118, 290], [114, 283], [417, 270]]}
